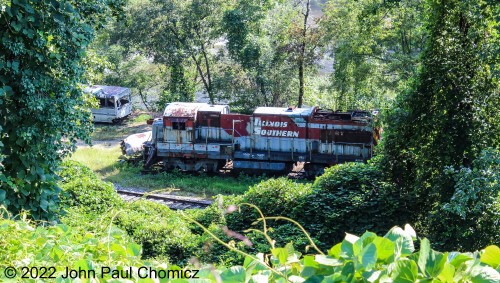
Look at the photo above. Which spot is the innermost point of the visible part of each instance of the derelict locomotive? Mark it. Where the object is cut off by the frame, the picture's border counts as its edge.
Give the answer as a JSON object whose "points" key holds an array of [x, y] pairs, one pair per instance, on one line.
{"points": [[203, 137]]}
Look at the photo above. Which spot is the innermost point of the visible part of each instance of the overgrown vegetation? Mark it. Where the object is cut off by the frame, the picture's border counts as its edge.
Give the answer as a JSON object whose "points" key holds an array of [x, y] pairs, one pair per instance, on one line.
{"points": [[447, 120], [104, 161], [356, 259], [274, 53], [164, 235], [43, 110], [350, 198], [438, 169]]}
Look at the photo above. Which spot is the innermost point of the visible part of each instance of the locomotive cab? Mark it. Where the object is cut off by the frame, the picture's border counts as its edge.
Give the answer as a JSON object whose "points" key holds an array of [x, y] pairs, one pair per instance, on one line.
{"points": [[189, 138]]}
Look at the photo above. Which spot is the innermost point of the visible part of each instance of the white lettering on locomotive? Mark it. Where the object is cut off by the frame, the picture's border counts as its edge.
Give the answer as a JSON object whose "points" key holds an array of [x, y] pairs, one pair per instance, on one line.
{"points": [[259, 123], [265, 123]]}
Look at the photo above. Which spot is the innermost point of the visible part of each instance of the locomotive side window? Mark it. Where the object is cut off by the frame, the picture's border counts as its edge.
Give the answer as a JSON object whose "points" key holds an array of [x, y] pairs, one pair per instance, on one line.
{"points": [[210, 119], [178, 125]]}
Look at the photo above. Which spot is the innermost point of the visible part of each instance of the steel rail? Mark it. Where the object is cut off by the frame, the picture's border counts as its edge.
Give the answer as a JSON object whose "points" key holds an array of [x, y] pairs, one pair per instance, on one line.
{"points": [[173, 202]]}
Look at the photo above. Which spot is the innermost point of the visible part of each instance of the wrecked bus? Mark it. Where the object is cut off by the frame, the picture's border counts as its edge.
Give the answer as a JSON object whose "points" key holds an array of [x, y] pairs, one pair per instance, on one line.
{"points": [[114, 103]]}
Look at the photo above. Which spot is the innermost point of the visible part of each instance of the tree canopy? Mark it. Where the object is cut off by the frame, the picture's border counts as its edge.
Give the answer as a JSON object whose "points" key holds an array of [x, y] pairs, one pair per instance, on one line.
{"points": [[451, 114], [43, 110]]}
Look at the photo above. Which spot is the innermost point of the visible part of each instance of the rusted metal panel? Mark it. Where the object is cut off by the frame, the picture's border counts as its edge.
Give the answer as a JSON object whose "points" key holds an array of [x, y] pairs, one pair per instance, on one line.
{"points": [[240, 123], [102, 91], [133, 143], [282, 111], [183, 109]]}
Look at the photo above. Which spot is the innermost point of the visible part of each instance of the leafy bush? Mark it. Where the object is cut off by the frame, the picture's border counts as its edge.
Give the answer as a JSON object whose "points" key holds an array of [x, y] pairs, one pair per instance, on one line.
{"points": [[471, 218], [82, 188], [369, 258], [351, 197], [161, 231], [61, 246], [274, 197]]}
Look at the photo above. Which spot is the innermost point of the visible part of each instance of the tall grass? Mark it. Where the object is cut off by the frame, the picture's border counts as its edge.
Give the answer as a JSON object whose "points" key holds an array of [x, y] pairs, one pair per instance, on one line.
{"points": [[105, 162]]}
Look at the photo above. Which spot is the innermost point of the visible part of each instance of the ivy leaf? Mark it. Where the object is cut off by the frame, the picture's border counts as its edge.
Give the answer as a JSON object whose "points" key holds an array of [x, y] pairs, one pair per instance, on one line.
{"points": [[325, 260], [235, 274], [446, 275], [369, 256], [456, 258], [398, 234], [2, 195], [405, 271], [484, 274], [335, 250], [491, 256], [385, 248], [281, 254]]}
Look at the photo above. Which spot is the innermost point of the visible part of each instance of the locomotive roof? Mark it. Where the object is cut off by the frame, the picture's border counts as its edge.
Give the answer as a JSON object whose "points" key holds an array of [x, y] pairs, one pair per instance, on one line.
{"points": [[183, 109], [284, 111], [104, 91], [214, 108]]}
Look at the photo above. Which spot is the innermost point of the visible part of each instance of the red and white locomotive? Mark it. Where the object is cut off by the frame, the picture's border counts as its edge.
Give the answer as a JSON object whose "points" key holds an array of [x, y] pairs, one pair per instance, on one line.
{"points": [[203, 137]]}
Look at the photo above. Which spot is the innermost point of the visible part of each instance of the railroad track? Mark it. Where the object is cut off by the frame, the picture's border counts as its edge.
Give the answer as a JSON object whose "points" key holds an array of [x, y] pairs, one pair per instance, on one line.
{"points": [[173, 202]]}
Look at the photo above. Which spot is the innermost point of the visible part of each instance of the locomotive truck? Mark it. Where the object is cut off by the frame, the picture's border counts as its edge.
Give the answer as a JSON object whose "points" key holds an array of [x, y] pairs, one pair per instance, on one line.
{"points": [[203, 137]]}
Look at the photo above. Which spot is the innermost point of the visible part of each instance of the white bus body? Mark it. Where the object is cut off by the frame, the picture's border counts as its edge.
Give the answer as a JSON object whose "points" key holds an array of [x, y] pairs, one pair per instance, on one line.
{"points": [[114, 103]]}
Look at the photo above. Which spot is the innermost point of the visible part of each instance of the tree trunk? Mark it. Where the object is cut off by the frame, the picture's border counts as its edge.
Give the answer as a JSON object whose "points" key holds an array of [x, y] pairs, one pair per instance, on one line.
{"points": [[301, 82], [302, 55], [144, 100]]}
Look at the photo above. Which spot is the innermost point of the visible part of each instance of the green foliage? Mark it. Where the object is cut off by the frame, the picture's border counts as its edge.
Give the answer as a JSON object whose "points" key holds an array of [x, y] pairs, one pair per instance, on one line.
{"points": [[161, 232], [61, 246], [369, 258], [376, 46], [259, 41], [42, 109], [275, 196], [351, 197], [179, 35], [141, 118], [142, 75], [82, 188], [448, 117], [231, 217], [477, 189], [475, 204]]}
